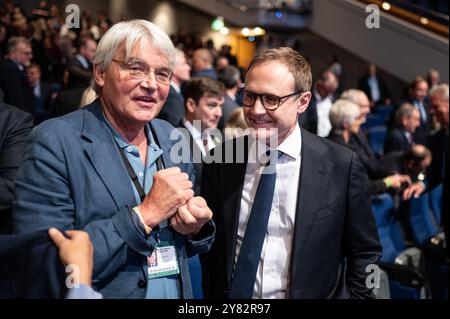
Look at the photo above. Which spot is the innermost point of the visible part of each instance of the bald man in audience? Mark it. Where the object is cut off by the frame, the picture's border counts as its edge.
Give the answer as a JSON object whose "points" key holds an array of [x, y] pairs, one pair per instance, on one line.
{"points": [[202, 64]]}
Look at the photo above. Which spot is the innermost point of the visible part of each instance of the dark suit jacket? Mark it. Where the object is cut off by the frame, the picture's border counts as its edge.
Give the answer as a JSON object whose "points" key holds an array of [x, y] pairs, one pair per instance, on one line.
{"points": [[173, 110], [227, 109], [15, 86], [308, 120], [376, 186], [439, 173], [15, 125], [335, 236], [359, 144], [30, 267], [364, 86], [196, 155], [48, 102], [79, 76], [76, 179], [396, 141]]}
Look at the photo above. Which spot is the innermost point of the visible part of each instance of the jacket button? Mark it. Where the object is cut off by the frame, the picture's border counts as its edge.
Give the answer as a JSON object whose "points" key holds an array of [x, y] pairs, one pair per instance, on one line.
{"points": [[142, 284]]}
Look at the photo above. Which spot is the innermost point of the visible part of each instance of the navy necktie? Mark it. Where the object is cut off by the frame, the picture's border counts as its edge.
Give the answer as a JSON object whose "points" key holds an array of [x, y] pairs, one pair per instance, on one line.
{"points": [[250, 252]]}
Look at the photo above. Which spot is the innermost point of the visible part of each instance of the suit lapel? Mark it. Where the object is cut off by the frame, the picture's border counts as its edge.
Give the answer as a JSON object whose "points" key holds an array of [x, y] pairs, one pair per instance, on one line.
{"points": [[314, 174], [234, 174], [105, 158]]}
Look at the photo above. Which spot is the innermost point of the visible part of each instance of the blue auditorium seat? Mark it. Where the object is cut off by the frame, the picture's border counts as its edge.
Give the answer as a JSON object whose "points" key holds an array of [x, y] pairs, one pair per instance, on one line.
{"points": [[435, 203], [373, 120], [405, 280], [420, 220], [376, 136], [384, 111]]}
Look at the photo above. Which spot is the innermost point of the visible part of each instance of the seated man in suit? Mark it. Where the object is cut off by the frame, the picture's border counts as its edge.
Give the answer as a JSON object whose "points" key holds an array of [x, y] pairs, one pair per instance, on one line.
{"points": [[44, 96], [106, 169], [204, 98], [401, 137], [15, 126], [173, 109], [299, 225]]}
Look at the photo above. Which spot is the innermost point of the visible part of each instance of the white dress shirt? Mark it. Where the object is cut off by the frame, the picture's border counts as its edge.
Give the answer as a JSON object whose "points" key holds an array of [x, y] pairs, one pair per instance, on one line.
{"points": [[323, 106], [272, 277], [197, 136]]}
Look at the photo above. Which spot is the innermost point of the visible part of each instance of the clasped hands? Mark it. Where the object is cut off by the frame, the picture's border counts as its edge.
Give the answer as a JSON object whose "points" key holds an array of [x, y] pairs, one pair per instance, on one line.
{"points": [[172, 198]]}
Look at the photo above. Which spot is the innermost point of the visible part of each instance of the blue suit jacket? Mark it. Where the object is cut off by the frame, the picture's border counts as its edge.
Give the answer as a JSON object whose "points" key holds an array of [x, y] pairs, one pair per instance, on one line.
{"points": [[72, 177]]}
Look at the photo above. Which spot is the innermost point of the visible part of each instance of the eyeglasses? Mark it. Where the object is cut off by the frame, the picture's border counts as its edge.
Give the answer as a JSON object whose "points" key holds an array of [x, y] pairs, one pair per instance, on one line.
{"points": [[269, 101], [139, 70]]}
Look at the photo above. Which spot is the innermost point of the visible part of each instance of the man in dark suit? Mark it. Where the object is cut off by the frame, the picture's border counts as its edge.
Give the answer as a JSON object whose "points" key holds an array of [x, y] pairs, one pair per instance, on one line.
{"points": [[204, 100], [285, 228], [173, 109], [418, 97], [401, 137], [13, 79], [15, 125], [80, 68], [438, 145], [315, 118], [43, 94], [374, 86]]}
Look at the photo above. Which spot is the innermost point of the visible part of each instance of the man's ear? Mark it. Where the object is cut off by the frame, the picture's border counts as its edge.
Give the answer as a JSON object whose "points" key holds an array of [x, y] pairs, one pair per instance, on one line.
{"points": [[191, 105], [303, 102], [99, 76]]}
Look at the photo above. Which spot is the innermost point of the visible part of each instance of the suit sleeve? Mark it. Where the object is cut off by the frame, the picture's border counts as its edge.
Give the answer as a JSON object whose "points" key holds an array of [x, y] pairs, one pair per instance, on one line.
{"points": [[44, 199], [361, 241], [11, 85], [11, 155]]}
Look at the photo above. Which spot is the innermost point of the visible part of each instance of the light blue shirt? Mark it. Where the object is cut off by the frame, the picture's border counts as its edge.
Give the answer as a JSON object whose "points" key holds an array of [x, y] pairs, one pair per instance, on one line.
{"points": [[157, 288]]}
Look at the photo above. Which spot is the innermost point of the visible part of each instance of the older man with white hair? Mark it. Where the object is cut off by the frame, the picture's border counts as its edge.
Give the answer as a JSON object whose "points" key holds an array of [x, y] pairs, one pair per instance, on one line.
{"points": [[106, 169], [438, 145]]}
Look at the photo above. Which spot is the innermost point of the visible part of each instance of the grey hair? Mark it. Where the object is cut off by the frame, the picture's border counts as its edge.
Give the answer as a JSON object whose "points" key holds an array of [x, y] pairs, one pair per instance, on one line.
{"points": [[343, 111], [405, 110], [130, 33], [14, 42], [440, 90], [352, 95]]}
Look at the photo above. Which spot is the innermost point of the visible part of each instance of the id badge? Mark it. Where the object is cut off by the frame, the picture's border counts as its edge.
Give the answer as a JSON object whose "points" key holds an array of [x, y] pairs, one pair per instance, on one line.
{"points": [[163, 261]]}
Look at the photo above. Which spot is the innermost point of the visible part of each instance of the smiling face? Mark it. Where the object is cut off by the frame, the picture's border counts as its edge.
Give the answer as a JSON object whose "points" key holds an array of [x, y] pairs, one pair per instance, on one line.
{"points": [[208, 110], [274, 78], [131, 102]]}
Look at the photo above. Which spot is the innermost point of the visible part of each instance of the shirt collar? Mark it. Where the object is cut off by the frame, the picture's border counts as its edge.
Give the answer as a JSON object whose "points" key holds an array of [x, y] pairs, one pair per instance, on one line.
{"points": [[291, 147], [82, 60], [196, 134], [176, 87], [123, 143]]}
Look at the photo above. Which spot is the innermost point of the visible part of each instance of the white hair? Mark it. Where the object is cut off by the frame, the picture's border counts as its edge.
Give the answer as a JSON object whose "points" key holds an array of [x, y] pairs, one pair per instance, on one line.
{"points": [[343, 111], [440, 90], [352, 95], [130, 33]]}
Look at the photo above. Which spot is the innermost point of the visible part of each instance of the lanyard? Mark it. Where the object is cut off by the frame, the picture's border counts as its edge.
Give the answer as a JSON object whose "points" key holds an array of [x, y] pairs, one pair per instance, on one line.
{"points": [[132, 174]]}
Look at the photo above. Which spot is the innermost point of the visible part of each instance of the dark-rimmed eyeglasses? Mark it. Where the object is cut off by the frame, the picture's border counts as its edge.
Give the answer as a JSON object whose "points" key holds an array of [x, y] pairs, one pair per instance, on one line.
{"points": [[269, 101], [139, 70]]}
